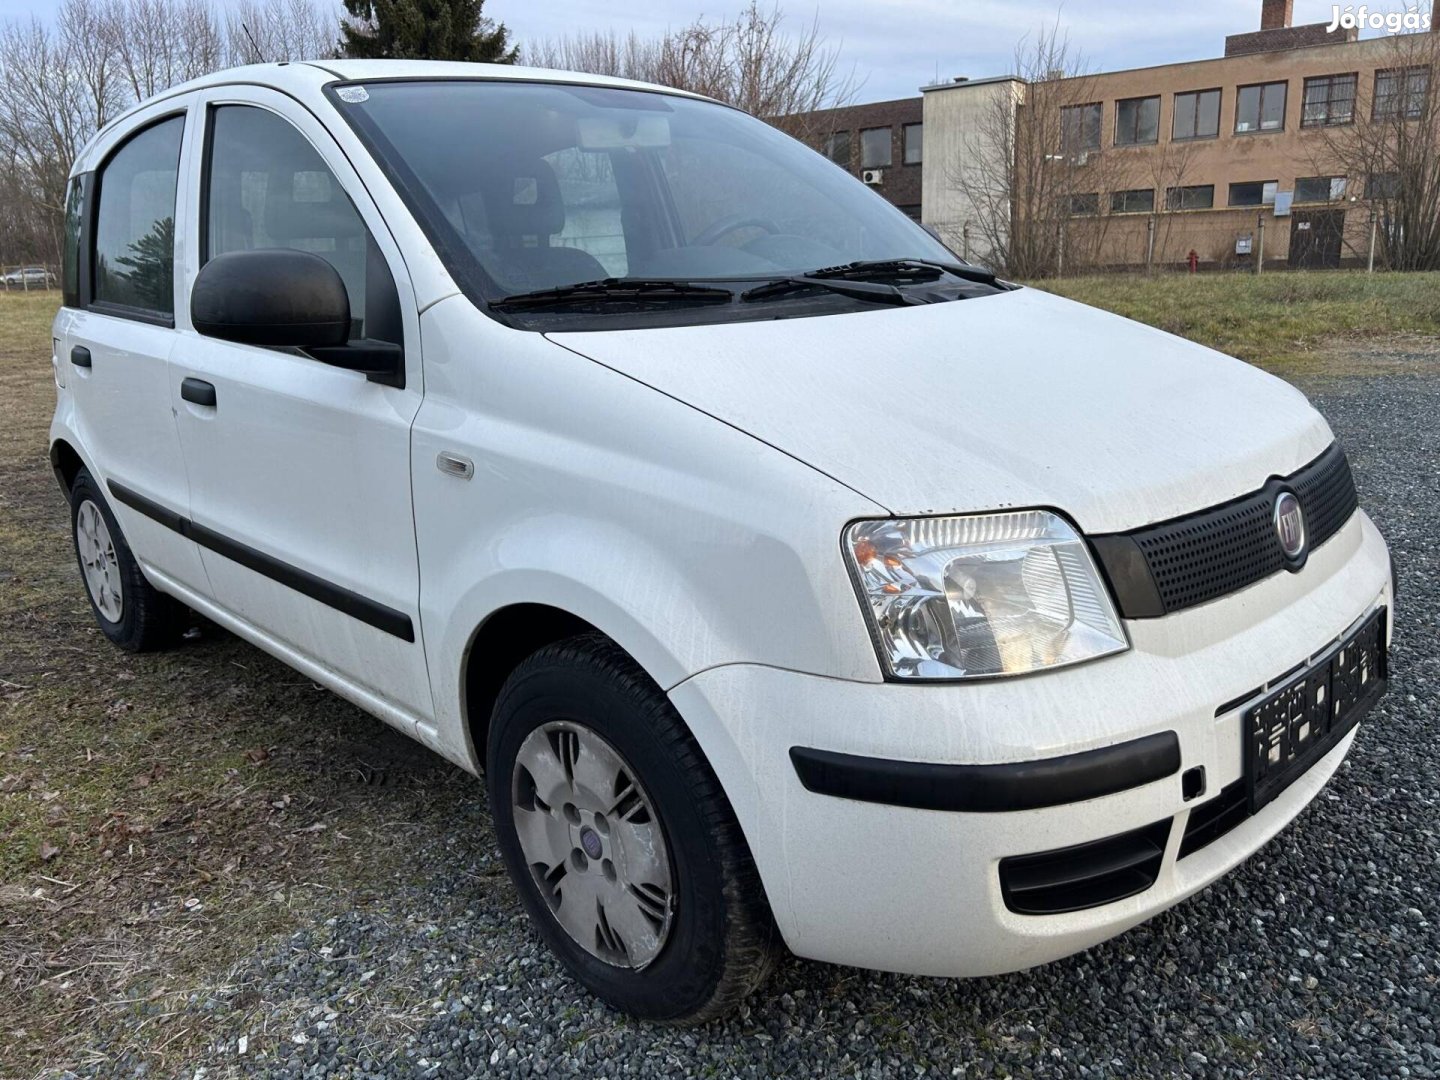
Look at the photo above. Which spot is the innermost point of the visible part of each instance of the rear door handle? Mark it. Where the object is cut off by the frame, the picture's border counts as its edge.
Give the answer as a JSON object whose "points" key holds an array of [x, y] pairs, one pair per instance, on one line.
{"points": [[80, 356], [198, 392]]}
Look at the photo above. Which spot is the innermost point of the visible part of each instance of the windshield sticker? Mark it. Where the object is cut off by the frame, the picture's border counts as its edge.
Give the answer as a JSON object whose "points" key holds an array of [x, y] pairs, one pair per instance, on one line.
{"points": [[353, 95]]}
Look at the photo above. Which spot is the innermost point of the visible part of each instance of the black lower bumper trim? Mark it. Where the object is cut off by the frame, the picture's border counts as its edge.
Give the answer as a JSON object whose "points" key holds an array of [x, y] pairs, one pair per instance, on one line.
{"points": [[1021, 785]]}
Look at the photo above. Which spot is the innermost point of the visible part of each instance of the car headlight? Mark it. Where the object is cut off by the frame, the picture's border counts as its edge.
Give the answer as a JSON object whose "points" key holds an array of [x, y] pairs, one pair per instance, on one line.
{"points": [[981, 595]]}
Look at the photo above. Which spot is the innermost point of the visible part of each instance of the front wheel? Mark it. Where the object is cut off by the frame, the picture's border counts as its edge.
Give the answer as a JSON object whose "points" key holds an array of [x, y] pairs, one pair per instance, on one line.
{"points": [[624, 849]]}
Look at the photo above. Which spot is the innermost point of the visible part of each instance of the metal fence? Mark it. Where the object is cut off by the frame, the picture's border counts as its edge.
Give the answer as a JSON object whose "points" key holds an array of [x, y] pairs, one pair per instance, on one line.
{"points": [[29, 277]]}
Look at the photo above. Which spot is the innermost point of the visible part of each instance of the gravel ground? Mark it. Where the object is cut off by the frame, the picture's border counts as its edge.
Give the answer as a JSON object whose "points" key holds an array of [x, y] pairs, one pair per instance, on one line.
{"points": [[1319, 957]]}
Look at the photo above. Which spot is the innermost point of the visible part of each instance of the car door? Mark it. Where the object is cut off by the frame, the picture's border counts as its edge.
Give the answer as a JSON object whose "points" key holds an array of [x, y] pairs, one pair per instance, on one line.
{"points": [[299, 470], [117, 331]]}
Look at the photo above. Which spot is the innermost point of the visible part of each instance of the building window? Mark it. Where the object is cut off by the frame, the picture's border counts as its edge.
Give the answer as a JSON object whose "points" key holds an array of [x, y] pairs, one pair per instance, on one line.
{"points": [[1255, 193], [875, 148], [1401, 92], [1383, 186], [1139, 201], [837, 148], [1197, 115], [1261, 108], [1196, 197], [1329, 100], [1137, 121], [1080, 128], [1313, 189], [1086, 205], [914, 139]]}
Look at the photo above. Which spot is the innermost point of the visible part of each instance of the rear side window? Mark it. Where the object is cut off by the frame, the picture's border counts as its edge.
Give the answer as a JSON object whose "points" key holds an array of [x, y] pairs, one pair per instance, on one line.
{"points": [[267, 187], [135, 222], [70, 269]]}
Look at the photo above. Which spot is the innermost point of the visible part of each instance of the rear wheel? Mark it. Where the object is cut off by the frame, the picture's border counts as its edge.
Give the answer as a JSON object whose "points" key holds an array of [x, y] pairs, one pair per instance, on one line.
{"points": [[129, 610], [624, 849]]}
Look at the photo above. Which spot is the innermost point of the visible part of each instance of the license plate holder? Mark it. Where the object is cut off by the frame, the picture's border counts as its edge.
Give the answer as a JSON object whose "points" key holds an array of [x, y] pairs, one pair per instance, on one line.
{"points": [[1299, 723]]}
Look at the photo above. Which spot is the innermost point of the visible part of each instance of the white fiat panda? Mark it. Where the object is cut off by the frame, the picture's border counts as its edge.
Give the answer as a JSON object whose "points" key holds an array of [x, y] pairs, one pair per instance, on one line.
{"points": [[592, 434]]}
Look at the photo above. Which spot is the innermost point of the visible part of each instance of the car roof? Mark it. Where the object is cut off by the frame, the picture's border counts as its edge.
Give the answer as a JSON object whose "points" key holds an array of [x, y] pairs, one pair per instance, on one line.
{"points": [[306, 78]]}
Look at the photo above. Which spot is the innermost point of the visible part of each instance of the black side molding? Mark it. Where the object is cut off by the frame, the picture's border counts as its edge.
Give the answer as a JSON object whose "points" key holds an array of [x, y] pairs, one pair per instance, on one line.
{"points": [[1023, 785], [368, 611]]}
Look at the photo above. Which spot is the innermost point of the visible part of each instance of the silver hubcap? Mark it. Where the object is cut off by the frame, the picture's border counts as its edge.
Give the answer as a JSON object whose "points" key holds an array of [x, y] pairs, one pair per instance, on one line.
{"points": [[593, 843], [97, 557]]}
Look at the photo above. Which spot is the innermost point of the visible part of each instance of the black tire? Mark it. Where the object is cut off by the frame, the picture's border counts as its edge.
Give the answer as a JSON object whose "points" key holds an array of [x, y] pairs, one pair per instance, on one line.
{"points": [[722, 939], [149, 620]]}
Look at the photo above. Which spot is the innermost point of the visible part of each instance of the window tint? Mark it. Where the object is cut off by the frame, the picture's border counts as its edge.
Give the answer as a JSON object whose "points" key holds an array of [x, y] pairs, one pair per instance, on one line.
{"points": [[1329, 100], [914, 143], [1195, 197], [70, 270], [135, 222], [269, 188], [837, 148], [1310, 189], [1261, 108], [1080, 128], [1256, 193], [1137, 121], [1139, 201], [1197, 115], [875, 148]]}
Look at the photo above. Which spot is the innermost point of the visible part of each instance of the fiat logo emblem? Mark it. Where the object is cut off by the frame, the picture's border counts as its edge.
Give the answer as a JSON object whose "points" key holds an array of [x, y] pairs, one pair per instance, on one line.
{"points": [[1290, 525]]}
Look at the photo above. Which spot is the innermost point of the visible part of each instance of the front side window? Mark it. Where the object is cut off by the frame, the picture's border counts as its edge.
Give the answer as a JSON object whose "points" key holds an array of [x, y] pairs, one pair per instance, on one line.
{"points": [[1260, 108], [1080, 128], [1254, 193], [1400, 93], [1137, 121], [1138, 201], [268, 187], [524, 187], [135, 222], [1329, 100], [1314, 189], [837, 148], [1194, 197], [1197, 115], [914, 135], [875, 148]]}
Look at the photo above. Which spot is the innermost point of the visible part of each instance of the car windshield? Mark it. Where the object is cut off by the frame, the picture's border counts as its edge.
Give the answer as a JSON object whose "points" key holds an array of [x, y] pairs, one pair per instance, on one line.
{"points": [[525, 187]]}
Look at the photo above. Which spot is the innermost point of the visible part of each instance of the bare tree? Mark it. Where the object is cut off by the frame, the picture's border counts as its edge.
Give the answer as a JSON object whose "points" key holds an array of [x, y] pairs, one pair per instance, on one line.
{"points": [[750, 62], [267, 31], [1390, 154], [1032, 171]]}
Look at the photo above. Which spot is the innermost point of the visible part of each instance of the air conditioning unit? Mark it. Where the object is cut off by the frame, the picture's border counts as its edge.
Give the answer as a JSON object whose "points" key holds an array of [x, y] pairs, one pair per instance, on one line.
{"points": [[872, 176]]}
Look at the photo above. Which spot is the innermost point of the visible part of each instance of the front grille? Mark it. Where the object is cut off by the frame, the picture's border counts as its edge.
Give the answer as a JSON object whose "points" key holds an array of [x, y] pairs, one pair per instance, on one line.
{"points": [[1086, 875], [1191, 560]]}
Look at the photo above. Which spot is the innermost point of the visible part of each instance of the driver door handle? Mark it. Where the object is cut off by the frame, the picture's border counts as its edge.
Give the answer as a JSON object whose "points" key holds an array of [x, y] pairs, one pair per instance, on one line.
{"points": [[198, 392]]}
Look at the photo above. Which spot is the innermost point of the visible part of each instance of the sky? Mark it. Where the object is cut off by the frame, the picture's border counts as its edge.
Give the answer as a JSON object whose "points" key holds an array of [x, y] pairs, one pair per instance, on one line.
{"points": [[895, 46]]}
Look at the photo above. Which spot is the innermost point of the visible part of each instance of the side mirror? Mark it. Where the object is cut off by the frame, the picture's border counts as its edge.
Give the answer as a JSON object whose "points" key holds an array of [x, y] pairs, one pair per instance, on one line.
{"points": [[274, 296]]}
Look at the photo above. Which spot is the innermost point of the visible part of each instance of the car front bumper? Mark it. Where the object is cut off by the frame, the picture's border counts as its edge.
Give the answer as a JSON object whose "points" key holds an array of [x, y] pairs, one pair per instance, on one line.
{"points": [[917, 889]]}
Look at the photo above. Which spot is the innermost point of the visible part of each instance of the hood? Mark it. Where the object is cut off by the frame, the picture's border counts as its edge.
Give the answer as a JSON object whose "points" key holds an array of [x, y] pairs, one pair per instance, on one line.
{"points": [[1020, 399]]}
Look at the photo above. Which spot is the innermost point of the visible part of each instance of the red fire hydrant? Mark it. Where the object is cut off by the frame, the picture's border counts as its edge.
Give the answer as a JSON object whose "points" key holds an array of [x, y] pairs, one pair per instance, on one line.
{"points": [[1194, 260]]}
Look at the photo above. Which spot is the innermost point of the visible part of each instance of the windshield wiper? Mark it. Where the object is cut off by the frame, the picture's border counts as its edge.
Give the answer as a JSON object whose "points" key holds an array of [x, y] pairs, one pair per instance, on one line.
{"points": [[872, 291], [618, 290], [898, 266]]}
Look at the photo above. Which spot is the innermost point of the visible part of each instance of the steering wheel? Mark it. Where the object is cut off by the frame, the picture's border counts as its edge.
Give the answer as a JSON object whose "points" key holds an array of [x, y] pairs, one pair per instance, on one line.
{"points": [[726, 225]]}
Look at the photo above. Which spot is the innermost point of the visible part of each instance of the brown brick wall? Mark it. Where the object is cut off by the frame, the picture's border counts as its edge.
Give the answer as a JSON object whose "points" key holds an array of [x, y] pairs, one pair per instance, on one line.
{"points": [[1288, 37], [901, 184]]}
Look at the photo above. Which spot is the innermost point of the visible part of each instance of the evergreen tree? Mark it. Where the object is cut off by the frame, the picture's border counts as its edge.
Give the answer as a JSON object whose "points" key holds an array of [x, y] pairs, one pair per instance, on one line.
{"points": [[424, 30]]}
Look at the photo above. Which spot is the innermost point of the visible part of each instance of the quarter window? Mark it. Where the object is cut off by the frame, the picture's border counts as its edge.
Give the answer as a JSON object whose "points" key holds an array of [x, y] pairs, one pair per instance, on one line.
{"points": [[914, 137], [1329, 100], [1197, 115], [1261, 108], [1195, 197], [1401, 92], [70, 267], [135, 222], [1080, 128], [1139, 201], [268, 187], [875, 148], [1254, 193], [1137, 121]]}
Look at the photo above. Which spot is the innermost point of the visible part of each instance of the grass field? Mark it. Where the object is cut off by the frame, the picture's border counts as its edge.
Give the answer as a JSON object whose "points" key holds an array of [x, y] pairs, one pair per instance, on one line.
{"points": [[1282, 322]]}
